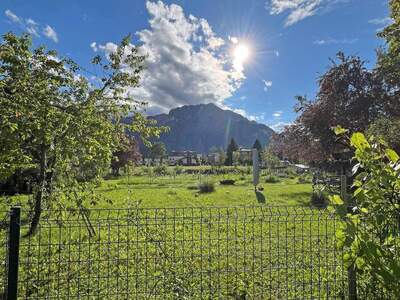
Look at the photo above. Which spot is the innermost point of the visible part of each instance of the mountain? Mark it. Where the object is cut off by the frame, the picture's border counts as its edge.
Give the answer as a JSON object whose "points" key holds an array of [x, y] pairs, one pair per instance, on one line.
{"points": [[200, 127]]}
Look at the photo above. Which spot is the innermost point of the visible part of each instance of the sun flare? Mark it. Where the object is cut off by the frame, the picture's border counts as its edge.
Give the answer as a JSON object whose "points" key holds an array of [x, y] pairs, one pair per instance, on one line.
{"points": [[241, 53]]}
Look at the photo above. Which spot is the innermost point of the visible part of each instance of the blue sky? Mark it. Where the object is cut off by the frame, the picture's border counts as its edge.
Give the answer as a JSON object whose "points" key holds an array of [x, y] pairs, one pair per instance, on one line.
{"points": [[192, 45]]}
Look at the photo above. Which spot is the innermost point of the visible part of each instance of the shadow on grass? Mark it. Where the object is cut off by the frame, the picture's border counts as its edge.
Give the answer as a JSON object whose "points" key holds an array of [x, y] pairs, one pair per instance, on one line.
{"points": [[260, 197]]}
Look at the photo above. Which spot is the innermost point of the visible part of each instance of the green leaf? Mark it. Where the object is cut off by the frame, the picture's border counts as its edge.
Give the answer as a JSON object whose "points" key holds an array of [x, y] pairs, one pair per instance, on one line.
{"points": [[339, 130], [359, 141], [336, 200], [392, 155]]}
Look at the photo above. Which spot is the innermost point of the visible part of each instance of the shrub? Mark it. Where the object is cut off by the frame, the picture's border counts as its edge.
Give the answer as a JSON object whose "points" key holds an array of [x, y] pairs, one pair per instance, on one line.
{"points": [[161, 170], [370, 234], [227, 182], [304, 179], [206, 187], [272, 179], [319, 199]]}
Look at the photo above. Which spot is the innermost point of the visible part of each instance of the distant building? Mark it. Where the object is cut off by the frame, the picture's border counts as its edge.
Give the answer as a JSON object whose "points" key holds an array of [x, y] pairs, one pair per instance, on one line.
{"points": [[243, 156], [301, 168], [184, 158], [214, 158], [151, 161]]}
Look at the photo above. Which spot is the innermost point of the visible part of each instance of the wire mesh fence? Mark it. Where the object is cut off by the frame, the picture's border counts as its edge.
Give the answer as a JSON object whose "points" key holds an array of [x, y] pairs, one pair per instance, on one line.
{"points": [[255, 252]]}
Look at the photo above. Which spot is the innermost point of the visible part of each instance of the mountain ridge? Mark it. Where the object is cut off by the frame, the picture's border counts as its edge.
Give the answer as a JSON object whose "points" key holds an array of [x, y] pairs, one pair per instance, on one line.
{"points": [[202, 126]]}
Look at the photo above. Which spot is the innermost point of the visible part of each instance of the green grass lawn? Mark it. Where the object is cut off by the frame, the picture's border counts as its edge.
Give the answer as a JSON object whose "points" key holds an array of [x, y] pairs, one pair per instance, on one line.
{"points": [[179, 191], [176, 243]]}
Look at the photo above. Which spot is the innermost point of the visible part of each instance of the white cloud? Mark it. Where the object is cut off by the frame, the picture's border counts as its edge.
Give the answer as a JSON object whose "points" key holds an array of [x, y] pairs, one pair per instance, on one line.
{"points": [[233, 39], [31, 26], [13, 17], [243, 113], [50, 33], [335, 41], [381, 21], [267, 84], [279, 126], [299, 9], [277, 114], [94, 46], [186, 62]]}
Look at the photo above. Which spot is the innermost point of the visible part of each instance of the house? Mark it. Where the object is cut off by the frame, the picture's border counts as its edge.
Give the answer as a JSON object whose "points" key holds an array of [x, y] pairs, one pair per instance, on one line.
{"points": [[214, 158], [301, 168], [185, 158], [150, 161], [243, 156]]}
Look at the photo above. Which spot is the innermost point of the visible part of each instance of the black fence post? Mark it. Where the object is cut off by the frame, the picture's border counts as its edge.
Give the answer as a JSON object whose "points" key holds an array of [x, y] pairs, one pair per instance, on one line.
{"points": [[13, 253]]}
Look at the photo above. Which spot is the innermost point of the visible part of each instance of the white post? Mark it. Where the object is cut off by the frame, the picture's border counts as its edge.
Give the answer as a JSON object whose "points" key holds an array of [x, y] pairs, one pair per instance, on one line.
{"points": [[256, 168]]}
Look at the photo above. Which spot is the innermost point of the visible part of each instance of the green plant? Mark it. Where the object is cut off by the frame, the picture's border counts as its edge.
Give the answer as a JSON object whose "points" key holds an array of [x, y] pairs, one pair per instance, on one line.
{"points": [[370, 234], [161, 170], [206, 187], [319, 198], [304, 178], [55, 120], [272, 179]]}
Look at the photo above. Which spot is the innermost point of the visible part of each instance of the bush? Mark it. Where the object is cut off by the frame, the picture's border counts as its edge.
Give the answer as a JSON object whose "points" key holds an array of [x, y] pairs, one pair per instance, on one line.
{"points": [[161, 170], [206, 187], [304, 179], [370, 234], [272, 179], [227, 182], [319, 199]]}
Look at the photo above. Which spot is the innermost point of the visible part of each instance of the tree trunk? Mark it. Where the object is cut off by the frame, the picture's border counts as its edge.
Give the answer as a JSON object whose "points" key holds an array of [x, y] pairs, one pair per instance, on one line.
{"points": [[42, 184]]}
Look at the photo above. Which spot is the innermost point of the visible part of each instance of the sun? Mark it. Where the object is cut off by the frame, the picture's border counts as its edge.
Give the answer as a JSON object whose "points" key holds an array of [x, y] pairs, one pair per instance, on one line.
{"points": [[241, 53]]}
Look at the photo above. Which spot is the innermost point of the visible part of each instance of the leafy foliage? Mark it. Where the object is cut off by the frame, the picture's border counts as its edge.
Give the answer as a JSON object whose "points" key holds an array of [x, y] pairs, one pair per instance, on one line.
{"points": [[158, 150], [371, 231], [232, 147], [272, 179], [127, 154], [389, 59], [54, 120], [351, 96]]}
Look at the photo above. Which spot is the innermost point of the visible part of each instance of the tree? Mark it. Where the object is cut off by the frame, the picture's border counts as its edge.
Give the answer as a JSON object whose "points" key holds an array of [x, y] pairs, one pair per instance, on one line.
{"points": [[232, 147], [54, 120], [388, 64], [388, 130], [158, 150], [370, 234], [297, 144], [270, 160], [127, 154], [349, 95]]}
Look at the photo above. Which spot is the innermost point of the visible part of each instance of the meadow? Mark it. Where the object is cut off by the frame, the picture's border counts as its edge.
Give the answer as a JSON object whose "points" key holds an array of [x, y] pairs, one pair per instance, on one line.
{"points": [[159, 237]]}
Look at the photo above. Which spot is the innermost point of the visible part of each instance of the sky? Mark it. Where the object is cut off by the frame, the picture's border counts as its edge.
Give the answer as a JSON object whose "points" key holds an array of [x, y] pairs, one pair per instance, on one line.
{"points": [[252, 57]]}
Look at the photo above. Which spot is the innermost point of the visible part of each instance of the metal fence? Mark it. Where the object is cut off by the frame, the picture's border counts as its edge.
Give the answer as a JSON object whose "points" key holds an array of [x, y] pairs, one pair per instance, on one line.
{"points": [[255, 252]]}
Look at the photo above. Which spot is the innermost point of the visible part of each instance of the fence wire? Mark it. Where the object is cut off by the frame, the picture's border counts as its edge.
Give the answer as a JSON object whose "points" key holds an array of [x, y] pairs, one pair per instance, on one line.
{"points": [[255, 252]]}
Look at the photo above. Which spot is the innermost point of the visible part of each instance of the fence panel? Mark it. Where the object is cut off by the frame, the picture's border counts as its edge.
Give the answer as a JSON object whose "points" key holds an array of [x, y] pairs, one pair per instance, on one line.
{"points": [[255, 252]]}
